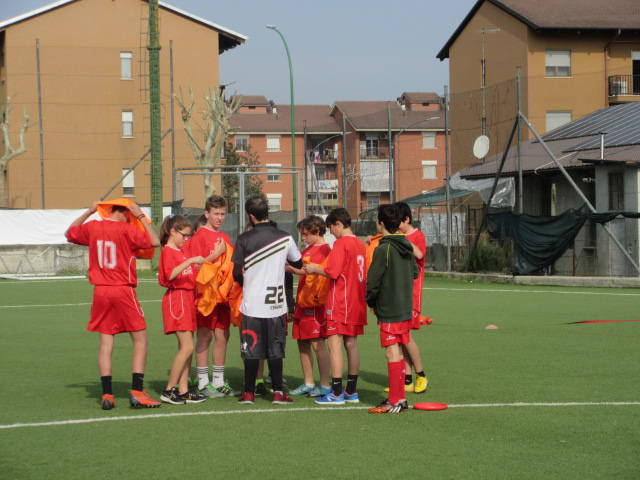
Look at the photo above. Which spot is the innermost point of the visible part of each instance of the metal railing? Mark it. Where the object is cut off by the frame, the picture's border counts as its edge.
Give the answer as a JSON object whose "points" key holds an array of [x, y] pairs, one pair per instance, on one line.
{"points": [[620, 85]]}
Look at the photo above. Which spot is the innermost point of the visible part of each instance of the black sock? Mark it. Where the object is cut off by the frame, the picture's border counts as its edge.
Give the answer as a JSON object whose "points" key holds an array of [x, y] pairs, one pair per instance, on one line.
{"points": [[250, 372], [137, 381], [336, 386], [106, 385], [420, 374], [275, 370], [408, 379], [352, 381]]}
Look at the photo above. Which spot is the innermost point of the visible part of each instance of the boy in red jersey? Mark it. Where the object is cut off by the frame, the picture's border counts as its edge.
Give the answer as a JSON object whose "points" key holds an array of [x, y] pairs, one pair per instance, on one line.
{"points": [[389, 293], [411, 351], [115, 308], [345, 309], [309, 327], [207, 240]]}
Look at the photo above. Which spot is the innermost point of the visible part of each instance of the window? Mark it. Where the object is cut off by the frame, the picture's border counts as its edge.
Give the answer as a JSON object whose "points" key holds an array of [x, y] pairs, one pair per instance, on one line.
{"points": [[273, 143], [127, 123], [242, 143], [273, 172], [275, 201], [616, 191], [373, 200], [369, 148], [558, 63], [428, 139], [128, 183], [125, 65], [429, 169], [557, 119]]}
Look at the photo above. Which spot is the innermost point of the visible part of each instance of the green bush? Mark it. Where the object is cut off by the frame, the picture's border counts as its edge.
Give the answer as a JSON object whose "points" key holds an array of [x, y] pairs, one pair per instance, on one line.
{"points": [[488, 258]]}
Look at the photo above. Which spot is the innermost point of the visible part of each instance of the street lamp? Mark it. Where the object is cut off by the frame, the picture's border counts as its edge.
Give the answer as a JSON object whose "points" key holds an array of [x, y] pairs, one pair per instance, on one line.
{"points": [[292, 119]]}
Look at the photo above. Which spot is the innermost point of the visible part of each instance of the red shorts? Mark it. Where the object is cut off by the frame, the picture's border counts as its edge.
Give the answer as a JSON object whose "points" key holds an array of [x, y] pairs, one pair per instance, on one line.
{"points": [[115, 309], [309, 323], [178, 311], [395, 333], [415, 321], [219, 318], [348, 330]]}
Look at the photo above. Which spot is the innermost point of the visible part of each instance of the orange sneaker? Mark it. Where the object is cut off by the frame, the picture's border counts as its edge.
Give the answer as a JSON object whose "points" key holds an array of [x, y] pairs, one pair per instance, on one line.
{"points": [[107, 401], [385, 407], [140, 399]]}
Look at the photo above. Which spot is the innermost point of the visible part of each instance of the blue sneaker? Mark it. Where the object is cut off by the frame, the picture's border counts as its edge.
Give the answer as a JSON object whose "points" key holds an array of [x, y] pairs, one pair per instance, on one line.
{"points": [[351, 397], [302, 389], [331, 399], [319, 391]]}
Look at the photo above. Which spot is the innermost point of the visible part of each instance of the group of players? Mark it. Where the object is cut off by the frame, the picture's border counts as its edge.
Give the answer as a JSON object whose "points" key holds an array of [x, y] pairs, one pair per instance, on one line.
{"points": [[386, 274]]}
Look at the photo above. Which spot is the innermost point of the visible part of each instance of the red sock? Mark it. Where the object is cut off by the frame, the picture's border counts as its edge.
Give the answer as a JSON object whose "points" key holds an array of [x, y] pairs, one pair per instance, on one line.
{"points": [[396, 381]]}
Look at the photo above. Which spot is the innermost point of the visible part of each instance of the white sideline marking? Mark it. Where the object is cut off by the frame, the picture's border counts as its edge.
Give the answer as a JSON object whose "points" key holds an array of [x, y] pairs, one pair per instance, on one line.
{"points": [[507, 290], [301, 409], [66, 304]]}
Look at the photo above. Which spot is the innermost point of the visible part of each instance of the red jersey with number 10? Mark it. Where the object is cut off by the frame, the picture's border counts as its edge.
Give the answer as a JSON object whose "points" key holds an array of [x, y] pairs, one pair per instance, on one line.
{"points": [[346, 268], [112, 247]]}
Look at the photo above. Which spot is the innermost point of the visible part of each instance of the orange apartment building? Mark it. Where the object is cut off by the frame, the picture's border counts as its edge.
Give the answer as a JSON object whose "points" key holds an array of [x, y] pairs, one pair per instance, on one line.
{"points": [[417, 128], [575, 56], [94, 91]]}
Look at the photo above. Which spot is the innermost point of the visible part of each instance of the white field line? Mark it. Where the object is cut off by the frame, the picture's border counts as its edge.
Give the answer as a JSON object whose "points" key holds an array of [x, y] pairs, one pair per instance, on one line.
{"points": [[507, 290], [300, 409], [66, 304]]}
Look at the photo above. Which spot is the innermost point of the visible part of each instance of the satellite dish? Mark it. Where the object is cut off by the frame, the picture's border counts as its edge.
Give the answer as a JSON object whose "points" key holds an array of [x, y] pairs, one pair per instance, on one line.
{"points": [[481, 147]]}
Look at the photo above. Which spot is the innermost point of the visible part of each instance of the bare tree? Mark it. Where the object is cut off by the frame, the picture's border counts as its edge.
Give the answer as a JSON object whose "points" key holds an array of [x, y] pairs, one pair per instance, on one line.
{"points": [[215, 127], [9, 152]]}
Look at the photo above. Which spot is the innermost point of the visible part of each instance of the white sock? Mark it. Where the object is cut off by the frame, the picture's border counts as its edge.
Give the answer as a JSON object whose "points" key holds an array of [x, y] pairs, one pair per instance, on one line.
{"points": [[203, 377], [218, 376]]}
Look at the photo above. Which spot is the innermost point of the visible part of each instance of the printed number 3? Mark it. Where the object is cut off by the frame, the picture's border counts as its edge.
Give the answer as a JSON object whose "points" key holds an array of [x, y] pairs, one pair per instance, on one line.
{"points": [[274, 295], [360, 262]]}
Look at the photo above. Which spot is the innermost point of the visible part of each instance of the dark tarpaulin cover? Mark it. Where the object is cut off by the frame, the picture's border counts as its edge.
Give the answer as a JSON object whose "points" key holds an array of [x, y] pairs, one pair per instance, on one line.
{"points": [[540, 241]]}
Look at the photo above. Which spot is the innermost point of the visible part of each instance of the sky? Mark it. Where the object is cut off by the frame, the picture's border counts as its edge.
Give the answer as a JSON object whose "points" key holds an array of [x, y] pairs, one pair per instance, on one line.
{"points": [[341, 50]]}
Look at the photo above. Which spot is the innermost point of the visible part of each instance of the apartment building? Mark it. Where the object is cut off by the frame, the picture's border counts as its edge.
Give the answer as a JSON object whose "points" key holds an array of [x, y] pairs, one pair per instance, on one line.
{"points": [[84, 63], [575, 57]]}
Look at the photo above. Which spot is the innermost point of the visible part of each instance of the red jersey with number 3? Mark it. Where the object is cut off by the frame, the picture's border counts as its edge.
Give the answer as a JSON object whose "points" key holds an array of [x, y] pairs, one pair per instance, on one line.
{"points": [[417, 238], [170, 258], [112, 247], [346, 268], [201, 244]]}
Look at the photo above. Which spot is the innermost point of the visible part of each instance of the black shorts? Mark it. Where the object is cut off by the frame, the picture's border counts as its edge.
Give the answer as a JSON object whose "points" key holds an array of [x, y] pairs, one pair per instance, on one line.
{"points": [[263, 338]]}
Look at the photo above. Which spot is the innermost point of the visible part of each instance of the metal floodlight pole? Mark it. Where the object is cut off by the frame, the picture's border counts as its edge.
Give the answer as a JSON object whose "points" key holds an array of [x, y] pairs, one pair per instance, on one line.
{"points": [[392, 183], [483, 63], [447, 192], [578, 191], [292, 117], [241, 199], [174, 193], [154, 84], [519, 140]]}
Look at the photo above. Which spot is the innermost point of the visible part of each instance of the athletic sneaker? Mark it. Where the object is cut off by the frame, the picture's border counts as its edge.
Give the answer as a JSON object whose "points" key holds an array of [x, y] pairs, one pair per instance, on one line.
{"points": [[331, 399], [261, 389], [193, 397], [302, 389], [351, 397], [281, 398], [107, 401], [421, 384], [140, 399], [385, 407], [407, 388], [319, 391], [173, 397], [223, 390], [247, 398]]}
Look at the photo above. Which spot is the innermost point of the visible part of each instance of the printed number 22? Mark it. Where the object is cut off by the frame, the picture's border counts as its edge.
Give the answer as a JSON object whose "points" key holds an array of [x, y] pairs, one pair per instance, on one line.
{"points": [[274, 295]]}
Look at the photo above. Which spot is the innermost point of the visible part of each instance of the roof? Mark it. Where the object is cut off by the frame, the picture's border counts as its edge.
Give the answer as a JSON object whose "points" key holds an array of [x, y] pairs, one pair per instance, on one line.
{"points": [[374, 116], [562, 15], [254, 100], [421, 97], [576, 144], [228, 38], [317, 120]]}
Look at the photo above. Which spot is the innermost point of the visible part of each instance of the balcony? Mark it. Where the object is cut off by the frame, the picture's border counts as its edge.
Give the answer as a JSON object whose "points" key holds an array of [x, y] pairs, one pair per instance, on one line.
{"points": [[374, 153], [624, 88], [327, 156]]}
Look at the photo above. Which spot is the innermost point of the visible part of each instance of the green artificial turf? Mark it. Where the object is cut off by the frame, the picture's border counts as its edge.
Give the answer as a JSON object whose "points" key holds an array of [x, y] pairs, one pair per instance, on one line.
{"points": [[49, 372]]}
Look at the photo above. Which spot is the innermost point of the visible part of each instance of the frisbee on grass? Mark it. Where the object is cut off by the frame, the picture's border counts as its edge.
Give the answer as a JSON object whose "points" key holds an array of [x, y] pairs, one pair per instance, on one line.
{"points": [[430, 406]]}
